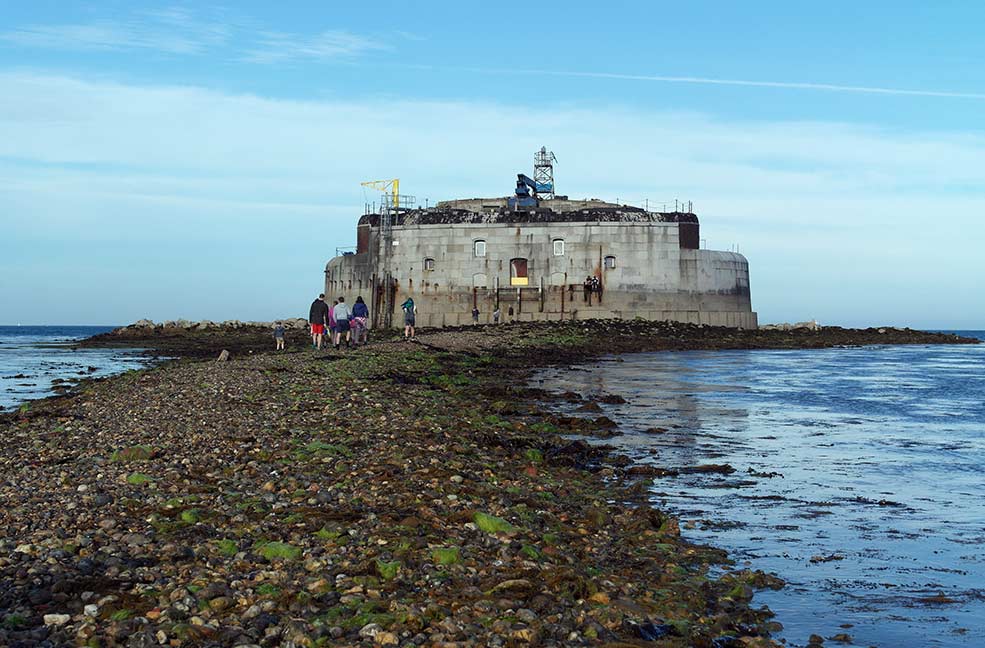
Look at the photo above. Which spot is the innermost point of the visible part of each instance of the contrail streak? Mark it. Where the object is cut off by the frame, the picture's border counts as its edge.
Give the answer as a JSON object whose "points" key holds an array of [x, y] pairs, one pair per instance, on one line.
{"points": [[654, 78], [793, 85]]}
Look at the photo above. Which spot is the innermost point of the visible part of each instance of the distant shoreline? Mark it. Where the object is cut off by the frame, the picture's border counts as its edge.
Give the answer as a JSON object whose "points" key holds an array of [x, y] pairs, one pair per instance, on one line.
{"points": [[634, 335]]}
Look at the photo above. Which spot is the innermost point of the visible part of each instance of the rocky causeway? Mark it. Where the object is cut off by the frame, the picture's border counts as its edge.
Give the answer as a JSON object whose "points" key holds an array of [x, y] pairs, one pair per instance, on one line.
{"points": [[400, 494]]}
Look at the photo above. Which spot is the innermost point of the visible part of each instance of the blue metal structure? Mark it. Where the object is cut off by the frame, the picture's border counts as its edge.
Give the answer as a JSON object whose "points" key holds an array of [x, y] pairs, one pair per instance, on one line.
{"points": [[527, 190]]}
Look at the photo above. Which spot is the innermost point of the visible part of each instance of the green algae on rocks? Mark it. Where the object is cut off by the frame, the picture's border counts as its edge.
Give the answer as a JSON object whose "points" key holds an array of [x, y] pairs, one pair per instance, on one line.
{"points": [[400, 493]]}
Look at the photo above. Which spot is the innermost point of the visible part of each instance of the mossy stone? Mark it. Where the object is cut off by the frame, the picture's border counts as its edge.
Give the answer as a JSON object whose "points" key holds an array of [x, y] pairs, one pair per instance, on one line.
{"points": [[447, 556], [387, 570], [492, 524], [133, 453], [280, 551]]}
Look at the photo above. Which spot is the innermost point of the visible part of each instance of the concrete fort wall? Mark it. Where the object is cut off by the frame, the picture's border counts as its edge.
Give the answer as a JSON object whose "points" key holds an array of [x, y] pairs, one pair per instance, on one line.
{"points": [[642, 268]]}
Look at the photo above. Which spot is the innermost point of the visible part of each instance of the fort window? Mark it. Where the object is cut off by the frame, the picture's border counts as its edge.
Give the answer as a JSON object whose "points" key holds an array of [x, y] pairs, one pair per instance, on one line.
{"points": [[479, 248], [518, 272], [610, 262], [428, 264], [558, 247]]}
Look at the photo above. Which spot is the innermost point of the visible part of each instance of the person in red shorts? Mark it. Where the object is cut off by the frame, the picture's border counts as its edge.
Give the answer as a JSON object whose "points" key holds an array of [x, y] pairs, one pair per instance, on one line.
{"points": [[317, 317]]}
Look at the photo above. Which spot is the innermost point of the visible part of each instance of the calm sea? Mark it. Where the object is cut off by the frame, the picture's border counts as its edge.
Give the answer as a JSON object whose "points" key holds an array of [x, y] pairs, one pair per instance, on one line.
{"points": [[33, 358], [860, 477]]}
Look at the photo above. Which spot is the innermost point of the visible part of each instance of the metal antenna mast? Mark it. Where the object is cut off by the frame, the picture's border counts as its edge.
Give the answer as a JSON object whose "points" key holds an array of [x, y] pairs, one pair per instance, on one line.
{"points": [[544, 172]]}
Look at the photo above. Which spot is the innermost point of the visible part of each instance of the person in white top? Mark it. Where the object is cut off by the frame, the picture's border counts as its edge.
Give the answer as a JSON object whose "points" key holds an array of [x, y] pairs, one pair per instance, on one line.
{"points": [[342, 314]]}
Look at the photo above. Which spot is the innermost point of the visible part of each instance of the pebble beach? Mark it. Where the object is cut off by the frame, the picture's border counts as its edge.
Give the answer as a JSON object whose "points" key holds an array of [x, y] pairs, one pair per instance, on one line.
{"points": [[401, 494]]}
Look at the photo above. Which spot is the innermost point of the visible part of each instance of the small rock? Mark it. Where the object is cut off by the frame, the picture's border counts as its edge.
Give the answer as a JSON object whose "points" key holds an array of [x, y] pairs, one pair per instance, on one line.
{"points": [[370, 630], [56, 619], [220, 603], [525, 615], [515, 584], [524, 634], [251, 612], [386, 639]]}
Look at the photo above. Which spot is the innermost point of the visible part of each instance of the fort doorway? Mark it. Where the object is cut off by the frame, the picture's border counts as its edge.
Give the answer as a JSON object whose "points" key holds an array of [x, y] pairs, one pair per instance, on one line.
{"points": [[518, 272]]}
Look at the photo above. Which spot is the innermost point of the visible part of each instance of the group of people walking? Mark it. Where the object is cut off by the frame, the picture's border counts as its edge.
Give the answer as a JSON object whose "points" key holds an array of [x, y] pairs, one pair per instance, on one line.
{"points": [[350, 325], [591, 285], [338, 320], [496, 315], [344, 324]]}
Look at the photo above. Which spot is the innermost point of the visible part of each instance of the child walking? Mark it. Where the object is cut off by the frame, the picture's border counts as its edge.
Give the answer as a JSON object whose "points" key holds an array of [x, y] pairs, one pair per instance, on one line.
{"points": [[279, 336]]}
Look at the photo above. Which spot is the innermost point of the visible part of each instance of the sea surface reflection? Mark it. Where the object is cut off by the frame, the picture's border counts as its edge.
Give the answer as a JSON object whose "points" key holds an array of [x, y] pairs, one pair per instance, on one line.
{"points": [[860, 476], [39, 361]]}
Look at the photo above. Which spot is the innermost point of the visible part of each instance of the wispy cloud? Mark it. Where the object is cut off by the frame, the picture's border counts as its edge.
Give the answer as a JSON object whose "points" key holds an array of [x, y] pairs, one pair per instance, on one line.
{"points": [[105, 35], [276, 47], [172, 31], [179, 31]]}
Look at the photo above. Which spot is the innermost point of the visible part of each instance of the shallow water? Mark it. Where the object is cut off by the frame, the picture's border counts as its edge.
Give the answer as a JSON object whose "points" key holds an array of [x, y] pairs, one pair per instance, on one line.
{"points": [[33, 357], [860, 477]]}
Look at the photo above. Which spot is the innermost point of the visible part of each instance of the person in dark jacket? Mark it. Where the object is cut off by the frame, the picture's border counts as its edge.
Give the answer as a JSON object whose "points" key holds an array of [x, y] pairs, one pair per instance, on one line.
{"points": [[279, 335], [318, 317], [410, 318], [360, 322]]}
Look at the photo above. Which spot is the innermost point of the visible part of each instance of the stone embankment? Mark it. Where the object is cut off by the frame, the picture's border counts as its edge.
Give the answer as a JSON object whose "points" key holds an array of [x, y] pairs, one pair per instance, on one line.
{"points": [[146, 326], [785, 326], [402, 494], [198, 339], [202, 338]]}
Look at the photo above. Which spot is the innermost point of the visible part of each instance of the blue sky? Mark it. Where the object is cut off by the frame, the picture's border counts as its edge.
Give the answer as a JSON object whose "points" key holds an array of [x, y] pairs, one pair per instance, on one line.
{"points": [[203, 161]]}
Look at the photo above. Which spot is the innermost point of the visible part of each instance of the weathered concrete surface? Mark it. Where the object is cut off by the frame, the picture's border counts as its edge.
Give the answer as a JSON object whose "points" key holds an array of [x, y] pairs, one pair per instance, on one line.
{"points": [[501, 203], [647, 264]]}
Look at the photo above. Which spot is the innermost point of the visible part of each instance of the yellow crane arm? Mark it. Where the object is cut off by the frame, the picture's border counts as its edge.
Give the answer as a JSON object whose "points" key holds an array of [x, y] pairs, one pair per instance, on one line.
{"points": [[386, 186]]}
